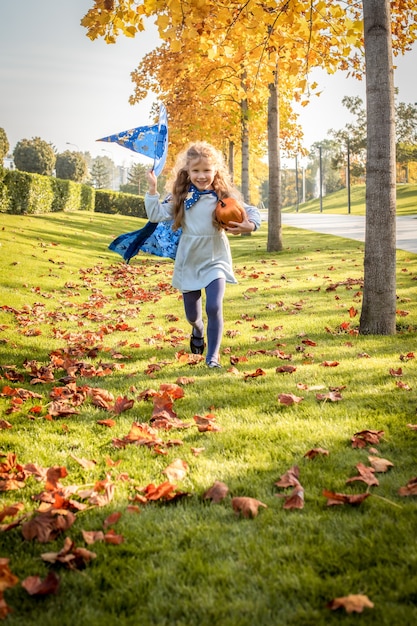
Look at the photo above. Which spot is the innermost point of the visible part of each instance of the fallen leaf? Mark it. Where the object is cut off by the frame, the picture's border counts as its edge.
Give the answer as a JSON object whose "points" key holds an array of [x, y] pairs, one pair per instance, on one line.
{"points": [[176, 471], [113, 538], [11, 510], [112, 519], [288, 399], [217, 492], [332, 396], [364, 437], [410, 489], [366, 475], [35, 586], [248, 507], [109, 423], [311, 454], [351, 603], [197, 451], [255, 374], [91, 536], [295, 500], [380, 465], [122, 404], [286, 369], [343, 498], [290, 478], [398, 372], [85, 463], [207, 423], [69, 555]]}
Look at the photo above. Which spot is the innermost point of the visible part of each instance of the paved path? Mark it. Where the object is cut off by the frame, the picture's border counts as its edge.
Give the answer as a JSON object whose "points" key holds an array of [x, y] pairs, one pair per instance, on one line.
{"points": [[352, 226]]}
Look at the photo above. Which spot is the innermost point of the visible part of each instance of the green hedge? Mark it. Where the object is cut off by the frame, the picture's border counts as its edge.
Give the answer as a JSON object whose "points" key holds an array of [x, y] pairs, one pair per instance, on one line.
{"points": [[122, 203], [71, 196], [25, 193]]}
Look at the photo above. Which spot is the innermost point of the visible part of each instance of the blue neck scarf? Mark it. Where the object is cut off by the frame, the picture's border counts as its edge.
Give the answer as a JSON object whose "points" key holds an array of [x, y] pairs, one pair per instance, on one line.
{"points": [[194, 195]]}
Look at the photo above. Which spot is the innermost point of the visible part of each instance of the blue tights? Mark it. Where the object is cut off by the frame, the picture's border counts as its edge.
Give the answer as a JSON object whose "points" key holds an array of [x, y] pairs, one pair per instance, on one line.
{"points": [[214, 310]]}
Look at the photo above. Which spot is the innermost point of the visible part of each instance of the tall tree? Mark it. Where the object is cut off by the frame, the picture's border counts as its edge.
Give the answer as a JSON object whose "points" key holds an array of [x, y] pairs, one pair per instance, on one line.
{"points": [[35, 156], [4, 145], [379, 291], [71, 166], [101, 175]]}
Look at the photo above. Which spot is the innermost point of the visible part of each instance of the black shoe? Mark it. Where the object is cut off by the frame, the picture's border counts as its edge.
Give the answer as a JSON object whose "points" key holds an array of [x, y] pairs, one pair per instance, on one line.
{"points": [[197, 345]]}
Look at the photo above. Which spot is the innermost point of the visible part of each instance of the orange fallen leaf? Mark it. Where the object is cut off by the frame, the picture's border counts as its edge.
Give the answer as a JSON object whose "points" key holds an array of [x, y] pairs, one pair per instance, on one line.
{"points": [[207, 423], [122, 404], [248, 507], [351, 603], [255, 374]]}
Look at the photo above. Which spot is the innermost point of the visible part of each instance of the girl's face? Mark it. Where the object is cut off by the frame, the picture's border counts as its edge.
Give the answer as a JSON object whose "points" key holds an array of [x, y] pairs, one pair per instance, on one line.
{"points": [[201, 173]]}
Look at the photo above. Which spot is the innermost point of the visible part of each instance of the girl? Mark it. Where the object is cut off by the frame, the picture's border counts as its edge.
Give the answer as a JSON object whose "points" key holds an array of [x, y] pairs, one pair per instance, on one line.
{"points": [[203, 259]]}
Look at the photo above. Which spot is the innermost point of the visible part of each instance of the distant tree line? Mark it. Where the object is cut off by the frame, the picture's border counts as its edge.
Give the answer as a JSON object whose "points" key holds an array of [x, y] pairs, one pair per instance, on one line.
{"points": [[326, 163]]}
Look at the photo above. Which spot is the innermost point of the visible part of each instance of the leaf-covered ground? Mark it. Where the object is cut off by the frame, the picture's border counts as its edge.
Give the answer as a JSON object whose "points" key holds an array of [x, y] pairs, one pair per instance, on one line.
{"points": [[138, 486]]}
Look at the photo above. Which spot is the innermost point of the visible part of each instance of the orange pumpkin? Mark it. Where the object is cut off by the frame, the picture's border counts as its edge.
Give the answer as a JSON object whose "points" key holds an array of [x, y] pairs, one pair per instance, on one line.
{"points": [[229, 210]]}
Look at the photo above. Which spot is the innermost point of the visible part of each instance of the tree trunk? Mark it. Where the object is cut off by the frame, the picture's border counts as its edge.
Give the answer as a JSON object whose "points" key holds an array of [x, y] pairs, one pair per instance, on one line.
{"points": [[245, 151], [232, 159], [379, 292], [274, 243]]}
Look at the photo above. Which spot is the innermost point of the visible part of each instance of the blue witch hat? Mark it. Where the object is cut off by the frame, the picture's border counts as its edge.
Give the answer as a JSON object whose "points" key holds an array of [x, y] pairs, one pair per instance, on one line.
{"points": [[151, 141]]}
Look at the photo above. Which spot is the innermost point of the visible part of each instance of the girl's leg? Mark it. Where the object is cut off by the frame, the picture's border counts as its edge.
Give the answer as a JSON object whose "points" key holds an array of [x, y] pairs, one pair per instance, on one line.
{"points": [[194, 311], [214, 309]]}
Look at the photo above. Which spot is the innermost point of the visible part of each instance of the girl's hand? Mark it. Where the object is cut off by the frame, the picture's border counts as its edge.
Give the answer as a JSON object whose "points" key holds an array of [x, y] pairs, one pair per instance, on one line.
{"points": [[238, 228], [152, 180]]}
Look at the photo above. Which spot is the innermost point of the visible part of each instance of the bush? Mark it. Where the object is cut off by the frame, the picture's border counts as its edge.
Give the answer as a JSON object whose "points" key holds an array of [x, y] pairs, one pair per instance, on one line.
{"points": [[4, 192], [29, 193], [71, 196], [121, 203]]}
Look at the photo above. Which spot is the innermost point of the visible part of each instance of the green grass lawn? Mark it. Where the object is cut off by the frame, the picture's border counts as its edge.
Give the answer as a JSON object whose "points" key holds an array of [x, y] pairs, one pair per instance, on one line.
{"points": [[99, 340], [338, 202]]}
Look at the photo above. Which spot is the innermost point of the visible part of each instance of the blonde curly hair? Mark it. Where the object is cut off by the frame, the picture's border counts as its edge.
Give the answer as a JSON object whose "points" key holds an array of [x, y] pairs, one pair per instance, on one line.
{"points": [[180, 182]]}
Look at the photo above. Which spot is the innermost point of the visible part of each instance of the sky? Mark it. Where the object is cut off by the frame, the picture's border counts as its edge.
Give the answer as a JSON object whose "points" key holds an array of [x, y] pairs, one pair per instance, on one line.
{"points": [[58, 85]]}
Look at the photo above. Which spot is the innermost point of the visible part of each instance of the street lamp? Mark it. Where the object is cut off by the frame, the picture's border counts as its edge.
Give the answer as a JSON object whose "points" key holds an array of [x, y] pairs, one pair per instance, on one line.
{"points": [[68, 143]]}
